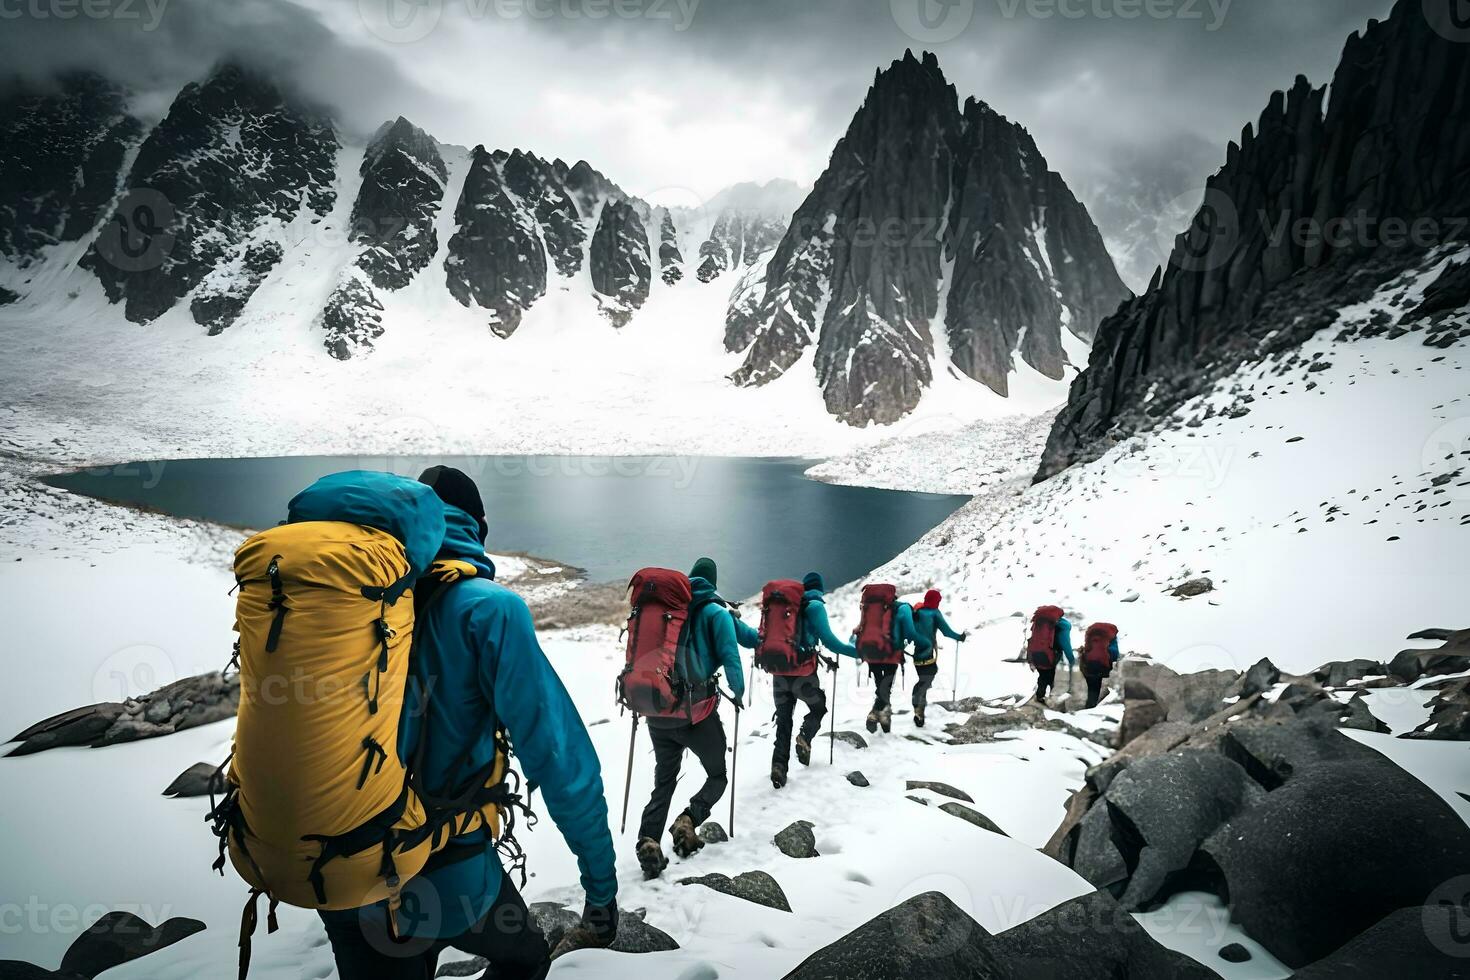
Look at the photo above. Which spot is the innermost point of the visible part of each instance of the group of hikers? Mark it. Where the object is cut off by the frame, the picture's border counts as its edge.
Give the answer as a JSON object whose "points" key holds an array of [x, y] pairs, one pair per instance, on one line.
{"points": [[370, 779]]}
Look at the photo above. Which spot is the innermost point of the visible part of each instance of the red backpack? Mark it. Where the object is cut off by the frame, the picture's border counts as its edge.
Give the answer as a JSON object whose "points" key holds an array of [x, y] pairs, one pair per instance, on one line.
{"points": [[875, 628], [779, 650], [654, 682], [1095, 654], [1042, 647]]}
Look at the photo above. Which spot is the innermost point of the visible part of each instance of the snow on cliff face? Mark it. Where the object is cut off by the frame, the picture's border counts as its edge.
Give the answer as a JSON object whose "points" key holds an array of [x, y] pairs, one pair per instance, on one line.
{"points": [[1325, 492]]}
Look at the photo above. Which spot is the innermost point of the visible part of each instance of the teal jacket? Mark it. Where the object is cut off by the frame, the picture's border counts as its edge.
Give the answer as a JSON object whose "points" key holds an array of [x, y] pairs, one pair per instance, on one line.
{"points": [[1064, 640], [930, 623], [816, 629], [474, 647], [713, 641], [747, 636], [904, 633]]}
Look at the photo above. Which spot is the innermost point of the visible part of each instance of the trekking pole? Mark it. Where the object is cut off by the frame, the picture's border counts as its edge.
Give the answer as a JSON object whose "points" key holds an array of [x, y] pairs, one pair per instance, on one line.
{"points": [[832, 733], [628, 780], [955, 688], [734, 758]]}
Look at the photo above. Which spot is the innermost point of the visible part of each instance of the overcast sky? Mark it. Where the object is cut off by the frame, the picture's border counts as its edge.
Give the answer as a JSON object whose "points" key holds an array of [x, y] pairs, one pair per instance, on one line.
{"points": [[672, 98]]}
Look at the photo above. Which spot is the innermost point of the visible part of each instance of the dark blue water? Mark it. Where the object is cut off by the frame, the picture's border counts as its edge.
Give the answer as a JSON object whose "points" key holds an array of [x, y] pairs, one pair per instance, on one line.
{"points": [[760, 519]]}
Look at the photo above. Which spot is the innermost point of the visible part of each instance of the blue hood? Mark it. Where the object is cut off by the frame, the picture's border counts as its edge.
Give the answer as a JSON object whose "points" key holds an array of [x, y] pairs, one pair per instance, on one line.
{"points": [[462, 541]]}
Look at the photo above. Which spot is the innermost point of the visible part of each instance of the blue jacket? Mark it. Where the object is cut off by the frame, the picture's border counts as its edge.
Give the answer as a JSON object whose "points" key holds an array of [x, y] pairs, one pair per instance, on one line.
{"points": [[815, 628], [904, 633], [747, 636], [929, 623], [713, 639], [1064, 640], [475, 646]]}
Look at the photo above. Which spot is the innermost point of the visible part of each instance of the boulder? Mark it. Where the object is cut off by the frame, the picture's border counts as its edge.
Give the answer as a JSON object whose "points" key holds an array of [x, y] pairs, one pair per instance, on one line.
{"points": [[943, 789], [1340, 672], [1139, 717], [1086, 938], [194, 781], [752, 886], [1185, 697], [797, 840], [1162, 808], [851, 738], [1235, 953], [927, 936], [184, 704], [79, 726], [972, 816], [712, 833], [1095, 855], [1409, 942], [634, 934], [1272, 751], [1193, 587], [1262, 676], [1333, 850], [120, 937], [857, 778], [1449, 717], [1451, 658]]}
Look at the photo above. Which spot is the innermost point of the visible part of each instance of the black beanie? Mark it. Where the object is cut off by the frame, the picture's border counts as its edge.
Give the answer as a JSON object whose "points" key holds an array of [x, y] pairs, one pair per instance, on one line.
{"points": [[813, 582], [705, 569], [455, 488]]}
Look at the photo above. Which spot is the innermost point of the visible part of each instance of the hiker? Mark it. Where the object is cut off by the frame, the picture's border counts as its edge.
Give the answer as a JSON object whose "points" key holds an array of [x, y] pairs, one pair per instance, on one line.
{"points": [[928, 623], [885, 629], [476, 657], [746, 636], [1099, 654], [710, 635], [1050, 640]]}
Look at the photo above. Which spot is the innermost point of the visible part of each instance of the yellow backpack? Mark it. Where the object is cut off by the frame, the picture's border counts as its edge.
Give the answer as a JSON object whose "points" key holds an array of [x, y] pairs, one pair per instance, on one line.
{"points": [[318, 810]]}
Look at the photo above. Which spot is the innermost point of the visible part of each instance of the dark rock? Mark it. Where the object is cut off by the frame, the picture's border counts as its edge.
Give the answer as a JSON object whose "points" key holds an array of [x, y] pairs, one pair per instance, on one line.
{"points": [[634, 936], [943, 789], [1341, 829], [197, 780], [1449, 717], [752, 886], [1235, 290], [1138, 717], [18, 970], [1432, 634], [1451, 658], [1410, 942], [1192, 588], [1448, 293], [201, 186], [546, 198], [1162, 808], [1095, 855], [670, 259], [619, 262], [1339, 672], [927, 936], [1193, 696], [352, 318], [1235, 953], [991, 726], [1260, 678], [797, 840], [1274, 751], [916, 182], [972, 816], [496, 257], [1086, 938], [712, 833], [851, 738], [857, 779], [184, 704], [120, 937]]}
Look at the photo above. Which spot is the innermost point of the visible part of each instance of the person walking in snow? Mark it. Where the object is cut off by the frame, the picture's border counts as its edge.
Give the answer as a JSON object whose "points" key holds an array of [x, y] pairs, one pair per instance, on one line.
{"points": [[929, 622], [476, 658], [1050, 640], [814, 629], [1099, 654], [903, 634], [713, 646]]}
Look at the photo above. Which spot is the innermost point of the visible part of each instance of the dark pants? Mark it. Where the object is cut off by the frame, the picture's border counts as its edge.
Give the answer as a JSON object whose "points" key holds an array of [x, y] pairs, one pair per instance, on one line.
{"points": [[707, 741], [1044, 680], [507, 937], [1094, 688], [927, 673], [788, 691], [882, 684]]}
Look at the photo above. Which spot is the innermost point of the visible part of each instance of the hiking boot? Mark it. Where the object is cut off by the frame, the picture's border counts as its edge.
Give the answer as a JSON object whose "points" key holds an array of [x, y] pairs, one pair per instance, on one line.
{"points": [[778, 774], [919, 716], [686, 836], [803, 751], [872, 721], [885, 719], [651, 858]]}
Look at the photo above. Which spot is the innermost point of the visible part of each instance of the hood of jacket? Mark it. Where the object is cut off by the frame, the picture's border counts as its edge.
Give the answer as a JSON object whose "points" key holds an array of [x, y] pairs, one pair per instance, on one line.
{"points": [[462, 541]]}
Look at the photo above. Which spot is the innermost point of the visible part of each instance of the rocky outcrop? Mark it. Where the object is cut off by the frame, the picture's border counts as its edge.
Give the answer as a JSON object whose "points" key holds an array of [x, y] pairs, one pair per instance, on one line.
{"points": [[184, 704], [1308, 214], [752, 886], [971, 815], [943, 789], [114, 939], [496, 257], [1409, 942], [670, 259], [535, 184], [61, 154], [619, 262], [353, 316], [926, 936], [913, 185], [232, 162]]}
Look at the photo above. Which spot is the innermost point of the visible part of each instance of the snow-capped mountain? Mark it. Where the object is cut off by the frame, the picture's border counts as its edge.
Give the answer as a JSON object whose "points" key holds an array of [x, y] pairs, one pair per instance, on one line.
{"points": [[937, 234], [1312, 210]]}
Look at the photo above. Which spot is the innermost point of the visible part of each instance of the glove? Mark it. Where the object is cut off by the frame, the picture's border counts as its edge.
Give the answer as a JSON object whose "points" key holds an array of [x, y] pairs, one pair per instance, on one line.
{"points": [[829, 662], [597, 930], [964, 636]]}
